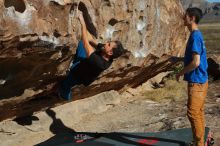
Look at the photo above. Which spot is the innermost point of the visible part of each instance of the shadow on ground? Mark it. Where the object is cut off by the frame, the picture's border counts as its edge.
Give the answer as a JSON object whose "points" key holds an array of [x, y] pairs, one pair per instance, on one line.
{"points": [[66, 136]]}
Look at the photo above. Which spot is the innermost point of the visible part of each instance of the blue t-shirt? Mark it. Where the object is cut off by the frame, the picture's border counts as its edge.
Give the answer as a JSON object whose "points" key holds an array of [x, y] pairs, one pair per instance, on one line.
{"points": [[196, 45]]}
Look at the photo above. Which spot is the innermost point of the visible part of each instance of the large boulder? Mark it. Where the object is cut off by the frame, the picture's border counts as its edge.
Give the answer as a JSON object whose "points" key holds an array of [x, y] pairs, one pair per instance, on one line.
{"points": [[38, 39]]}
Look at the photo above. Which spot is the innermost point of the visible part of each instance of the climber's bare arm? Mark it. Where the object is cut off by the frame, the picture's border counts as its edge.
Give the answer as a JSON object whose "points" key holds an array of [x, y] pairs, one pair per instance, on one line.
{"points": [[85, 38]]}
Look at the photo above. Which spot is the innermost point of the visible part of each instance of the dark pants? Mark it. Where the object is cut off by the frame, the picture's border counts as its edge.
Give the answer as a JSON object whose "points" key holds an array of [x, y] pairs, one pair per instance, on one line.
{"points": [[70, 80]]}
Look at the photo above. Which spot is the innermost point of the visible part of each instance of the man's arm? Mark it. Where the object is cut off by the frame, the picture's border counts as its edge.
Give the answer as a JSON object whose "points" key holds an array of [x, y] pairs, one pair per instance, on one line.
{"points": [[85, 40], [193, 65]]}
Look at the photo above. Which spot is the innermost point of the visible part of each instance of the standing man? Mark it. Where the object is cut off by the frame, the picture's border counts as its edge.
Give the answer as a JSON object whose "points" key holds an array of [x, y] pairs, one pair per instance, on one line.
{"points": [[195, 73]]}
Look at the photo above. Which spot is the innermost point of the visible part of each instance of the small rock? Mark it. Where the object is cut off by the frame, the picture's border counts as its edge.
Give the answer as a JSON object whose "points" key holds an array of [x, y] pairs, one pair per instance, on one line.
{"points": [[2, 82], [218, 100]]}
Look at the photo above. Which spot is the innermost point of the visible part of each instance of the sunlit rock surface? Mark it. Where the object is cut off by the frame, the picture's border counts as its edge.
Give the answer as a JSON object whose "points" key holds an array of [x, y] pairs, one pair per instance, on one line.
{"points": [[38, 39]]}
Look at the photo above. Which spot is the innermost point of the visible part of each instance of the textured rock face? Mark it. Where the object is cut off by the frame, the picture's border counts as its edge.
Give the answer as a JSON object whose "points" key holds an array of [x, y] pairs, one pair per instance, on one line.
{"points": [[38, 39], [141, 25]]}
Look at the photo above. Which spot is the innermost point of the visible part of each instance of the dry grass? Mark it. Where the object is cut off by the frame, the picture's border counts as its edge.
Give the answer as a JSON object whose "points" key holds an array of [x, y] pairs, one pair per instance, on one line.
{"points": [[211, 32], [209, 21], [173, 90]]}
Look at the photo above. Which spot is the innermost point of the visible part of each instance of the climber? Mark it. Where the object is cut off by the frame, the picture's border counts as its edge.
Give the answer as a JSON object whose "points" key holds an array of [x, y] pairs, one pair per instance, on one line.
{"points": [[90, 60], [195, 73]]}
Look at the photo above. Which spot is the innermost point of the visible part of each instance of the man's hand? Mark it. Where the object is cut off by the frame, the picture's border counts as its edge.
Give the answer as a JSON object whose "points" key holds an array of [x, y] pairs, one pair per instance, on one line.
{"points": [[80, 17], [193, 65]]}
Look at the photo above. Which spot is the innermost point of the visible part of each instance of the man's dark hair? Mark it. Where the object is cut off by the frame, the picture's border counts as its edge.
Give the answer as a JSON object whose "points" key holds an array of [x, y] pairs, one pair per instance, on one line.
{"points": [[196, 12], [118, 50]]}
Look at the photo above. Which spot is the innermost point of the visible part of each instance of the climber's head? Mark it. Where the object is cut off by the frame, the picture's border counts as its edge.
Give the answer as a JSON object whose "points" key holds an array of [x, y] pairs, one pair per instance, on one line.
{"points": [[113, 49]]}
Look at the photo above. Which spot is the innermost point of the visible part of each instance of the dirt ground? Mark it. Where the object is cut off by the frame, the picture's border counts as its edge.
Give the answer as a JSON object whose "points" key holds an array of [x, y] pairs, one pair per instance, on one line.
{"points": [[131, 111]]}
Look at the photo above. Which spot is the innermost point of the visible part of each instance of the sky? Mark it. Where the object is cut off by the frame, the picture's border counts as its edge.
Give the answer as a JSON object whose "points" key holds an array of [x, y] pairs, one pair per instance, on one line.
{"points": [[213, 0]]}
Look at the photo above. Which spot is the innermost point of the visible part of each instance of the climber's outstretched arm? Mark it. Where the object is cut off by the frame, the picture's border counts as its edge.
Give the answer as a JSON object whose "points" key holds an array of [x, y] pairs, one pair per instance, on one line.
{"points": [[85, 38]]}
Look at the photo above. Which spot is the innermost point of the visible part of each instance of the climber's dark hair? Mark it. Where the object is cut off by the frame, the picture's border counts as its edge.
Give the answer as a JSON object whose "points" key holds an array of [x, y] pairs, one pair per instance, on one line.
{"points": [[196, 12], [118, 50]]}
